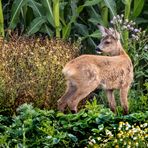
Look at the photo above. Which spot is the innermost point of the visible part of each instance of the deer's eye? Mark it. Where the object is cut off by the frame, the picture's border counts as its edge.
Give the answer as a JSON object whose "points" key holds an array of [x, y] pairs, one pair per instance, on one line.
{"points": [[107, 42]]}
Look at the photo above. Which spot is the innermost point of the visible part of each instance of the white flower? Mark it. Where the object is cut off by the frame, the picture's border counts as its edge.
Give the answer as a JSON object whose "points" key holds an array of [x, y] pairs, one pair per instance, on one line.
{"points": [[49, 137], [134, 138], [99, 138], [128, 26], [112, 22], [145, 124], [124, 27], [136, 30], [114, 18], [120, 21], [131, 28], [93, 140], [126, 20], [118, 16]]}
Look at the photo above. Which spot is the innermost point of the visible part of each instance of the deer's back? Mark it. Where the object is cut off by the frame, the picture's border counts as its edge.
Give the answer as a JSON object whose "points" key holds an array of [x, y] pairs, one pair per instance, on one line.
{"points": [[110, 72]]}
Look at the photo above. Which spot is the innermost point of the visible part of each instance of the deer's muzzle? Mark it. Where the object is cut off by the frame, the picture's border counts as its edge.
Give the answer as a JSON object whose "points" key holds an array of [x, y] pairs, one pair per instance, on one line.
{"points": [[98, 50]]}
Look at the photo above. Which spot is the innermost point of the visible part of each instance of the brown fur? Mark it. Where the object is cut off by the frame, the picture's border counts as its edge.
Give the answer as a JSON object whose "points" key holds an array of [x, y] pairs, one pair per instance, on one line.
{"points": [[87, 72]]}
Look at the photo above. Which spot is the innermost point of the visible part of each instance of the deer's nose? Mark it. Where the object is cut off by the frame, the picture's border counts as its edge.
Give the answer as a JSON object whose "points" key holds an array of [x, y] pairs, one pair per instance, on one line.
{"points": [[98, 50]]}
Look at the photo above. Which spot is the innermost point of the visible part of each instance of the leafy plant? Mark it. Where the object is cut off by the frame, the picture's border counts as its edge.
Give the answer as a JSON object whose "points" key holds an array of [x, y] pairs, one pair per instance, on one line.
{"points": [[33, 127]]}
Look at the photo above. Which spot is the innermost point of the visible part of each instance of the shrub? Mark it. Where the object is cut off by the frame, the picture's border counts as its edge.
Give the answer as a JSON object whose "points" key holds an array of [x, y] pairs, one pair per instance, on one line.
{"points": [[94, 126], [30, 71]]}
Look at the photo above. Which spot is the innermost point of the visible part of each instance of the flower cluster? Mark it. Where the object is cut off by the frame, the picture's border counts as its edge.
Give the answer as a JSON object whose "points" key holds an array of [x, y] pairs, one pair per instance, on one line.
{"points": [[123, 135], [131, 135], [124, 24]]}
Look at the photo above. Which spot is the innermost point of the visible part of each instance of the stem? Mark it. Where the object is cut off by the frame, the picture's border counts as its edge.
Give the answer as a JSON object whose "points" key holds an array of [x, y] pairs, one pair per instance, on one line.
{"points": [[56, 8], [126, 16], [1, 20]]}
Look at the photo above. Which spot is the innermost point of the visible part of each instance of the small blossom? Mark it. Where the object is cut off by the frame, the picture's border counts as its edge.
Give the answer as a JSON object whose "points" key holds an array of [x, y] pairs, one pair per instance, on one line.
{"points": [[118, 16], [128, 26], [111, 22], [90, 143], [136, 30], [120, 21], [124, 27], [114, 18], [93, 140], [126, 20], [145, 124], [131, 28], [117, 146], [98, 138], [134, 138]]}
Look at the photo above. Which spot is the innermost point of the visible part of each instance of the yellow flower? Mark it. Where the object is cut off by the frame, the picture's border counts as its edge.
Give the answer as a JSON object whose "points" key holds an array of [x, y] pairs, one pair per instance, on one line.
{"points": [[119, 135], [117, 146]]}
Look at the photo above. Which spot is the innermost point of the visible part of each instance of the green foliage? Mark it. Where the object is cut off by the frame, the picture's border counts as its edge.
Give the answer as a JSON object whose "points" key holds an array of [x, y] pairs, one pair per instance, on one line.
{"points": [[77, 19], [138, 103], [31, 71], [32, 127]]}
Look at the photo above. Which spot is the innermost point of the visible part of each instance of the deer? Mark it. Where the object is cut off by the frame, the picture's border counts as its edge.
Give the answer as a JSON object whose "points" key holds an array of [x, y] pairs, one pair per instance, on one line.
{"points": [[111, 71]]}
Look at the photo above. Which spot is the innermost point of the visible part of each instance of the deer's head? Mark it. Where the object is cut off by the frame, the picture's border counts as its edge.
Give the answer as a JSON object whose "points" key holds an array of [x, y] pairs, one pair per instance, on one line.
{"points": [[110, 42]]}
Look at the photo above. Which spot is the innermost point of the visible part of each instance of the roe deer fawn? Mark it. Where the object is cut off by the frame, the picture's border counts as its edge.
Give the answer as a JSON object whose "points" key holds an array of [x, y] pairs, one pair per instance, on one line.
{"points": [[87, 72]]}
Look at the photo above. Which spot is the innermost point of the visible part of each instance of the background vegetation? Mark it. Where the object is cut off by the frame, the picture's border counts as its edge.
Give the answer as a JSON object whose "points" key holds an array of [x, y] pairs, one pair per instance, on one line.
{"points": [[37, 38]]}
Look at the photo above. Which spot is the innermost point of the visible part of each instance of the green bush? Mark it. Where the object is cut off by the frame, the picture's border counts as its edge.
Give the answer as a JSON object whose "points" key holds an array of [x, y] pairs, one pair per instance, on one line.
{"points": [[31, 71], [94, 126]]}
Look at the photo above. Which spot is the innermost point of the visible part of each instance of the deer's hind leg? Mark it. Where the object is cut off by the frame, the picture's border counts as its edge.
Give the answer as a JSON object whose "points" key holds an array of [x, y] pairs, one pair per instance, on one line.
{"points": [[83, 90], [123, 99], [70, 92]]}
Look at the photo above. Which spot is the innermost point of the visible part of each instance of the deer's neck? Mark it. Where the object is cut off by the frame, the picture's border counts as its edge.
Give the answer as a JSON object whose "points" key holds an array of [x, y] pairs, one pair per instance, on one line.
{"points": [[119, 51]]}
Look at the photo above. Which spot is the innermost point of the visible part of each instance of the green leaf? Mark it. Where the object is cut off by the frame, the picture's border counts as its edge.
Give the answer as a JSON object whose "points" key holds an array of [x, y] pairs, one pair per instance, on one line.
{"points": [[66, 31], [82, 29], [138, 6], [16, 9], [95, 21], [140, 20], [92, 2], [112, 6], [96, 34], [49, 12], [95, 18], [73, 138], [46, 29], [35, 25], [36, 7]]}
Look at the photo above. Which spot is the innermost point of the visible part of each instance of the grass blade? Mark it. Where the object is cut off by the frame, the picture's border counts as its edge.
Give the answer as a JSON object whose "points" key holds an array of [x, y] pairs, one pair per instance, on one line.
{"points": [[49, 12], [16, 9]]}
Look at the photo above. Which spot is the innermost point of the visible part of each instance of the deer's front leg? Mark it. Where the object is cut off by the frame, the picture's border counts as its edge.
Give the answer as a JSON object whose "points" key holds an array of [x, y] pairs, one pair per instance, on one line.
{"points": [[111, 100]]}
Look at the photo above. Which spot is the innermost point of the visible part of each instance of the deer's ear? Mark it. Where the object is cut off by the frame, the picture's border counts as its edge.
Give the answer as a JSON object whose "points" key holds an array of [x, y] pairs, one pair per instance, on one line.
{"points": [[114, 33], [103, 30], [117, 34]]}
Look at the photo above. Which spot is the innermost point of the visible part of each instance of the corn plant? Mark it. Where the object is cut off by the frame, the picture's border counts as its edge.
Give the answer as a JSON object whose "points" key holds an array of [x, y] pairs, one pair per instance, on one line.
{"points": [[1, 20]]}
